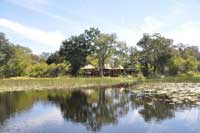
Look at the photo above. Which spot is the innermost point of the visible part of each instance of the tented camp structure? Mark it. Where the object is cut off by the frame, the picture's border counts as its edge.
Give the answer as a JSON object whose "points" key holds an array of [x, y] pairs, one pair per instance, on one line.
{"points": [[90, 70]]}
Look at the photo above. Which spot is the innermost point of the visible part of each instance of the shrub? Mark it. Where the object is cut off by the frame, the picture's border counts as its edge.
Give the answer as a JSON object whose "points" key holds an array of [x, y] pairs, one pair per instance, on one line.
{"points": [[55, 70], [38, 70]]}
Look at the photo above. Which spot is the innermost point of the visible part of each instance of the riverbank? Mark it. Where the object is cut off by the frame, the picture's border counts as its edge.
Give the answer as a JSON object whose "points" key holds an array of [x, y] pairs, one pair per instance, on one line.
{"points": [[22, 83], [26, 83]]}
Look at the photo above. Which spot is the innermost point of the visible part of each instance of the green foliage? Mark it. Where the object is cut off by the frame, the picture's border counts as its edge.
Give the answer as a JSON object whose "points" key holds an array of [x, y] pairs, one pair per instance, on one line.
{"points": [[104, 47], [154, 56], [55, 70], [176, 65], [121, 55], [6, 50], [133, 59], [12, 58], [44, 70], [77, 48], [191, 64], [179, 64], [155, 53], [23, 59], [38, 70], [54, 58]]}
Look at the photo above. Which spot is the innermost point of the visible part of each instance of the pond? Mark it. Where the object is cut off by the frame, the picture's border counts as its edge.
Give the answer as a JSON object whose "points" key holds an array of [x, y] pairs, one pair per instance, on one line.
{"points": [[95, 110]]}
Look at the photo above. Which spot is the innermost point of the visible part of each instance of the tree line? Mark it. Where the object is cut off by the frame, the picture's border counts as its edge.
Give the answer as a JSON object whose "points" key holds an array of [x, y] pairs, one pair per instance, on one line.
{"points": [[153, 56]]}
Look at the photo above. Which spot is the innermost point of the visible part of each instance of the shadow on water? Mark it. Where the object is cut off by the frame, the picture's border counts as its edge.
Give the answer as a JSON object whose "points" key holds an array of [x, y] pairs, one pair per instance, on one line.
{"points": [[91, 108]]}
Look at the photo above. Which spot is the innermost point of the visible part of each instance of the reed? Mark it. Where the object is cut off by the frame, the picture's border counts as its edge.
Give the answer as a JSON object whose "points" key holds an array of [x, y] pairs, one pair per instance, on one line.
{"points": [[15, 84]]}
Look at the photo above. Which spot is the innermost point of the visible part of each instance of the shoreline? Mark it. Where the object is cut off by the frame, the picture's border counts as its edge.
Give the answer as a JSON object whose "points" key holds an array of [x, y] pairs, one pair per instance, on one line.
{"points": [[69, 83], [9, 85]]}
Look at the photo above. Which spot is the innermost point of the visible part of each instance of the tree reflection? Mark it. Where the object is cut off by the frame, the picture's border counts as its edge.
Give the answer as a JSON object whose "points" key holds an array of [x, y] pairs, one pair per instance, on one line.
{"points": [[156, 107], [92, 108], [12, 102], [159, 110], [104, 109], [16, 102]]}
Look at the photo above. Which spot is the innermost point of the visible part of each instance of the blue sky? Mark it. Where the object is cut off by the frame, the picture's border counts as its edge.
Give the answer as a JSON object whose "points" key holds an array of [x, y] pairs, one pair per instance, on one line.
{"points": [[43, 24]]}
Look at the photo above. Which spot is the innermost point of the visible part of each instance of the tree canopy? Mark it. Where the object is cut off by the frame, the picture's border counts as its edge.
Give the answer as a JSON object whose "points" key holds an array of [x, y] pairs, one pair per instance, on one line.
{"points": [[154, 55], [77, 48]]}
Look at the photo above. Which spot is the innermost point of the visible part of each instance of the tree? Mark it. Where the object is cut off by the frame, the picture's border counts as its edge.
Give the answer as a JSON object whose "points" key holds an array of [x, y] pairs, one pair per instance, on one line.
{"points": [[184, 60], [54, 58], [55, 70], [104, 49], [176, 65], [133, 59], [38, 70], [6, 50], [155, 53], [6, 54], [121, 54], [20, 63], [190, 51], [77, 48]]}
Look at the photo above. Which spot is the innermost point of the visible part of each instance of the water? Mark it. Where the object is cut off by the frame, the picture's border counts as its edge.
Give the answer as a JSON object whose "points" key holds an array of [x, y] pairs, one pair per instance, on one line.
{"points": [[104, 111]]}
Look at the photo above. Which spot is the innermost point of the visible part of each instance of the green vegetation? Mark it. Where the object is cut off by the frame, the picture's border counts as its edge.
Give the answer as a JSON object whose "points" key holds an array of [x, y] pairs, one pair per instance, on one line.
{"points": [[153, 57], [77, 48], [15, 84]]}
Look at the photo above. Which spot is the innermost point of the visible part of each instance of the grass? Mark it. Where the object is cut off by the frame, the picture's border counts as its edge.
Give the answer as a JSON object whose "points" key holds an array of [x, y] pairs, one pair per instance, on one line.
{"points": [[23, 83]]}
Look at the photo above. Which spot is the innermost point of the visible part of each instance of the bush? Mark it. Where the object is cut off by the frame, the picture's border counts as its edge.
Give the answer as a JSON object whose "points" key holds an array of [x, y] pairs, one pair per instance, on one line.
{"points": [[189, 74], [38, 70], [55, 70]]}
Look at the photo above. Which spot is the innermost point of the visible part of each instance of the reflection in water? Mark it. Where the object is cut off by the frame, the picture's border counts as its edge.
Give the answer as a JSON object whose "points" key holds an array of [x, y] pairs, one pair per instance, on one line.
{"points": [[154, 108], [93, 109]]}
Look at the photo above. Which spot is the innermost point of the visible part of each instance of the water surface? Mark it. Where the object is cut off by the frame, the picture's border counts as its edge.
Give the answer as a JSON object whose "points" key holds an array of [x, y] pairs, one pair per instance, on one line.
{"points": [[99, 110]]}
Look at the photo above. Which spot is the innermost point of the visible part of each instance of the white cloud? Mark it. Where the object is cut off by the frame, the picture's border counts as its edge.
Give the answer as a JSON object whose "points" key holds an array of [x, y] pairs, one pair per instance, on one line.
{"points": [[132, 34], [49, 38], [40, 6], [177, 8], [190, 116], [30, 3], [151, 25], [26, 122], [187, 33]]}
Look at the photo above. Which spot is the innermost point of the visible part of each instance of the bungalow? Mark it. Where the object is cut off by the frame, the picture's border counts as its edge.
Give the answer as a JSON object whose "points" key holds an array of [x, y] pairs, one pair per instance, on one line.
{"points": [[90, 70]]}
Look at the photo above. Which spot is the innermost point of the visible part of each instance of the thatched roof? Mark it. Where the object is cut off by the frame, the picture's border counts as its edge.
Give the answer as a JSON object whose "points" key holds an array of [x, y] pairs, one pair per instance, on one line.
{"points": [[107, 66], [89, 66]]}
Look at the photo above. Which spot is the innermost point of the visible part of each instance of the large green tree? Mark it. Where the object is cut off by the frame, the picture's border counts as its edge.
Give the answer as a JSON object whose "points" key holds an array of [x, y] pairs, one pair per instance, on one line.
{"points": [[184, 60], [6, 50], [6, 54], [155, 53], [104, 49], [121, 54], [54, 58], [77, 48]]}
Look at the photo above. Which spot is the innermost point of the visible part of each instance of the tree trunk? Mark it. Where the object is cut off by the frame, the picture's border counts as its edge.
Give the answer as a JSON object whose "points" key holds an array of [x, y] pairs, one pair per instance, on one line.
{"points": [[101, 66], [154, 70], [101, 72]]}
